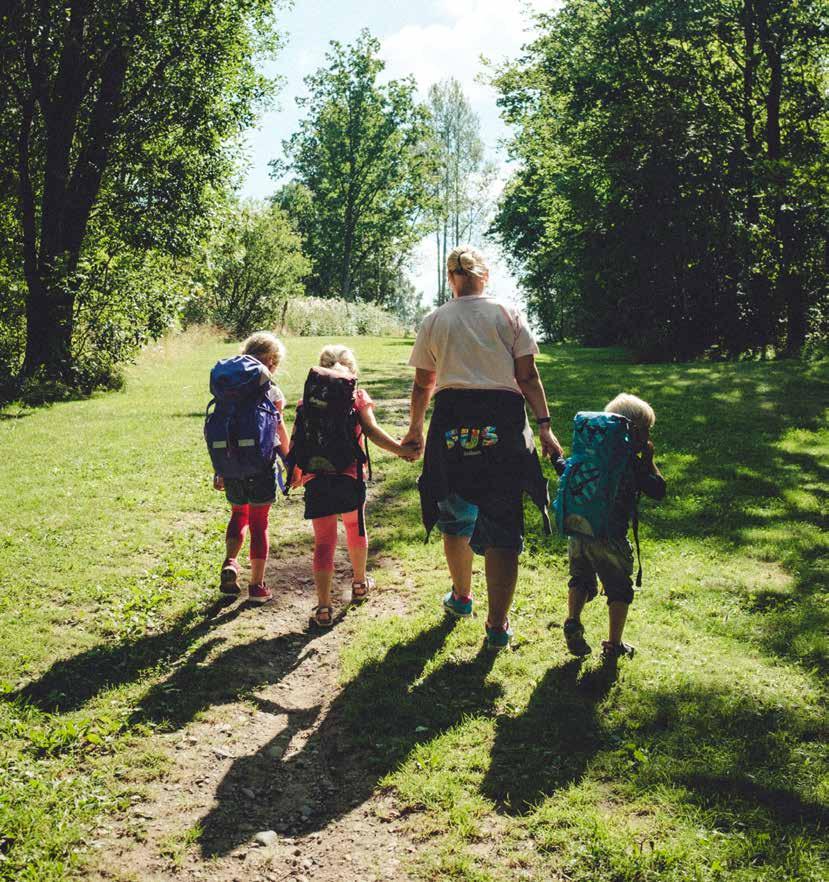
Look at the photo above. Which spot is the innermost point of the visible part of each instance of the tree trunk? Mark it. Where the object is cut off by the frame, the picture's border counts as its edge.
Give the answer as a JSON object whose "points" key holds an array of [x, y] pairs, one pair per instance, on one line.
{"points": [[69, 195], [789, 292], [439, 297], [444, 283], [345, 276], [748, 334], [791, 288]]}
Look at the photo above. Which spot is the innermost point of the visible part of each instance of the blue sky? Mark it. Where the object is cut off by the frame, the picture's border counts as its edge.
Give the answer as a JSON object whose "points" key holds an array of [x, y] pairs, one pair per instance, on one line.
{"points": [[430, 40]]}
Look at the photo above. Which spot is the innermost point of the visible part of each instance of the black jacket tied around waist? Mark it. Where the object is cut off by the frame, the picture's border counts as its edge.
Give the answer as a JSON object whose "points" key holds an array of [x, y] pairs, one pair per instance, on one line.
{"points": [[479, 442]]}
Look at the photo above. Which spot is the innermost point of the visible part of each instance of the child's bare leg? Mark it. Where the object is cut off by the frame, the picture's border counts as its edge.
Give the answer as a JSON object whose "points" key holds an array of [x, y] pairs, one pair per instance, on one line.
{"points": [[459, 557], [323, 580], [617, 614], [501, 566], [576, 599], [259, 542], [359, 560], [257, 571], [357, 545]]}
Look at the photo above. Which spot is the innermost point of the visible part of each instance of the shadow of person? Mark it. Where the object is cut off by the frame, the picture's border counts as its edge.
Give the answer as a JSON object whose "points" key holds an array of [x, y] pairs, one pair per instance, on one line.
{"points": [[203, 682], [550, 743], [71, 682], [369, 729]]}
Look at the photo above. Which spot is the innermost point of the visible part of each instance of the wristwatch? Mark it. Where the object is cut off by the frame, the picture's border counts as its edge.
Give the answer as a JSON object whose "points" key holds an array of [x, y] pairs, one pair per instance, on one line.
{"points": [[543, 421]]}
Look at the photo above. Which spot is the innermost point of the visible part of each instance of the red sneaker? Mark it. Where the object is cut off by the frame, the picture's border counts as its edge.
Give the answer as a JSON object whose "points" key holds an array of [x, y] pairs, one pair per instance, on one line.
{"points": [[229, 583], [259, 593]]}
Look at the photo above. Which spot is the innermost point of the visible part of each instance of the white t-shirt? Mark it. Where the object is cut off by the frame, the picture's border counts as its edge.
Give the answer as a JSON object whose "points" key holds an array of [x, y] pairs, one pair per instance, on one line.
{"points": [[277, 396], [471, 343], [274, 393]]}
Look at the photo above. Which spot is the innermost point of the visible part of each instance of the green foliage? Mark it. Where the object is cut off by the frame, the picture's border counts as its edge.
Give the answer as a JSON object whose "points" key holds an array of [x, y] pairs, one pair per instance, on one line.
{"points": [[252, 268], [671, 189], [119, 120], [361, 164], [704, 758], [462, 178]]}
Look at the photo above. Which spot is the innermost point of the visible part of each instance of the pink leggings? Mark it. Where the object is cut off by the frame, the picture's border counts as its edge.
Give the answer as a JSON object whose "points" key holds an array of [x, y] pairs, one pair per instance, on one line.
{"points": [[325, 539], [257, 517]]}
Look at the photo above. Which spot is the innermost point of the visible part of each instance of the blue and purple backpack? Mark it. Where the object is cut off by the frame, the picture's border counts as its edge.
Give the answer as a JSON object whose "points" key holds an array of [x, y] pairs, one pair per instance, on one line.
{"points": [[240, 421]]}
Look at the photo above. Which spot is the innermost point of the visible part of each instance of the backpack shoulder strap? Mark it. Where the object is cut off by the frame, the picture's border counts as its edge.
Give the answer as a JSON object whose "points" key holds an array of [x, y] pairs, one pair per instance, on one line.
{"points": [[297, 437], [635, 525]]}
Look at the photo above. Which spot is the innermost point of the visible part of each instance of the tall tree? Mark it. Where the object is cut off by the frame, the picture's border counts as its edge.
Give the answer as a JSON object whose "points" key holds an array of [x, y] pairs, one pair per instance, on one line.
{"points": [[671, 187], [462, 177], [254, 266], [361, 154], [119, 107]]}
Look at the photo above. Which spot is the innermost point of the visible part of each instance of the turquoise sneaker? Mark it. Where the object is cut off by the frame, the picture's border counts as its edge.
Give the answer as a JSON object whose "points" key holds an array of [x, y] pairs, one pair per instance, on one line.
{"points": [[457, 606], [498, 638]]}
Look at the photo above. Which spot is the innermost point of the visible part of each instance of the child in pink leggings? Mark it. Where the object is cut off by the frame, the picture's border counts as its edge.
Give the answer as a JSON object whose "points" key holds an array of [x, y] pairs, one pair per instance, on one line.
{"points": [[251, 498], [331, 496]]}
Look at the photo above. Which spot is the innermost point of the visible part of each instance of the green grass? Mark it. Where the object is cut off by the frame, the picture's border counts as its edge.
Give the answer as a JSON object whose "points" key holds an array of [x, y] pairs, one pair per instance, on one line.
{"points": [[702, 759]]}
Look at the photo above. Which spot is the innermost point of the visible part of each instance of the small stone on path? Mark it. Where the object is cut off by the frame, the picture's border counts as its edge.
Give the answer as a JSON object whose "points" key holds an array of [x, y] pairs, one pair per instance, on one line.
{"points": [[266, 837]]}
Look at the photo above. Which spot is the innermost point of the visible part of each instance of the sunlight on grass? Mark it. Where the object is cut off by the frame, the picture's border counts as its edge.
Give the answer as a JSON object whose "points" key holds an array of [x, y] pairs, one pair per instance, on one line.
{"points": [[702, 759]]}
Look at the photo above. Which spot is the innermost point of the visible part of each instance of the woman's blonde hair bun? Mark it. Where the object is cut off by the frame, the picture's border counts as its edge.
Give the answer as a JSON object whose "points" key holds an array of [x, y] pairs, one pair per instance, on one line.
{"points": [[467, 260]]}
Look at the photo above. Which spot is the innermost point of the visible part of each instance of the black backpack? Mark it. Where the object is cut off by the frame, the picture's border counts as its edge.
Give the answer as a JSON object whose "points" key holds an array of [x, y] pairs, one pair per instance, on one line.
{"points": [[324, 440]]}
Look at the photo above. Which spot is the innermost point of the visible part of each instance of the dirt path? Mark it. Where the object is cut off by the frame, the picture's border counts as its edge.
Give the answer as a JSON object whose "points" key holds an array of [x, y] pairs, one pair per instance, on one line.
{"points": [[256, 749]]}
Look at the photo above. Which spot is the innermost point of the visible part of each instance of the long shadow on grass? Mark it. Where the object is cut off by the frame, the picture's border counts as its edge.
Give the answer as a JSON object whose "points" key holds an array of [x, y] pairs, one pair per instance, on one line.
{"points": [[721, 757], [69, 683], [371, 727], [751, 763], [550, 744]]}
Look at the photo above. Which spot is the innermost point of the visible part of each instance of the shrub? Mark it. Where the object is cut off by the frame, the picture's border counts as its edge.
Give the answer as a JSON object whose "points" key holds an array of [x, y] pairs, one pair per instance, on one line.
{"points": [[251, 269], [318, 317]]}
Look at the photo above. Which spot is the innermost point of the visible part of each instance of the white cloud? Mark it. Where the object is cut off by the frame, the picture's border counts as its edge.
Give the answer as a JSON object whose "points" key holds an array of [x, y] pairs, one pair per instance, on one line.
{"points": [[453, 45]]}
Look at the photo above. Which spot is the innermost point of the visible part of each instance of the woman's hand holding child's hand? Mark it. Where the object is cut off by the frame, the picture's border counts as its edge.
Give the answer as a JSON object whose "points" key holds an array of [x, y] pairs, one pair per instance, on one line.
{"points": [[413, 441], [549, 443], [410, 450]]}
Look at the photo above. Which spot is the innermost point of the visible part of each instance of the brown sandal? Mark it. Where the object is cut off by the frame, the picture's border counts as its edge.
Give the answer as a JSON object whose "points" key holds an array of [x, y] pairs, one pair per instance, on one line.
{"points": [[327, 621], [360, 590]]}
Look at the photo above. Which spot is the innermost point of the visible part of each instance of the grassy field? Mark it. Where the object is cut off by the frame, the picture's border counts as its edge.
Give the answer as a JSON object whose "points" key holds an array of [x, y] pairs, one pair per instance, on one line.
{"points": [[704, 758]]}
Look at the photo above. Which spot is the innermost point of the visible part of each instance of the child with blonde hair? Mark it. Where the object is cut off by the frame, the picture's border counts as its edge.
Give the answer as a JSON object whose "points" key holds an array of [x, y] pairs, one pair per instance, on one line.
{"points": [[618, 440], [251, 497], [329, 458]]}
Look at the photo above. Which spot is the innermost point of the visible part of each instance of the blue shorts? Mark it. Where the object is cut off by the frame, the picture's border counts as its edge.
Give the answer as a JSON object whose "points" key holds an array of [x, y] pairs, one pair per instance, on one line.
{"points": [[496, 521]]}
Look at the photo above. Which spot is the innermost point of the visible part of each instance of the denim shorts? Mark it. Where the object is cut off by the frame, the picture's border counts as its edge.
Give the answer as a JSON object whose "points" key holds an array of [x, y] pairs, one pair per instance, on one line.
{"points": [[611, 560], [496, 521], [257, 490]]}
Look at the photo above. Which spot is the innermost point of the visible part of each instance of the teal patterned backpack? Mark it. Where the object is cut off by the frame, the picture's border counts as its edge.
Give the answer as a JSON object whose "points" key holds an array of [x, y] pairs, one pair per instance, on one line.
{"points": [[597, 480], [596, 476]]}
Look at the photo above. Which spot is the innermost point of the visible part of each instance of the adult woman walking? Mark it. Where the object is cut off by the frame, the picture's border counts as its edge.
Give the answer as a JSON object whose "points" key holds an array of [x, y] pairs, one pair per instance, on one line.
{"points": [[477, 357]]}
